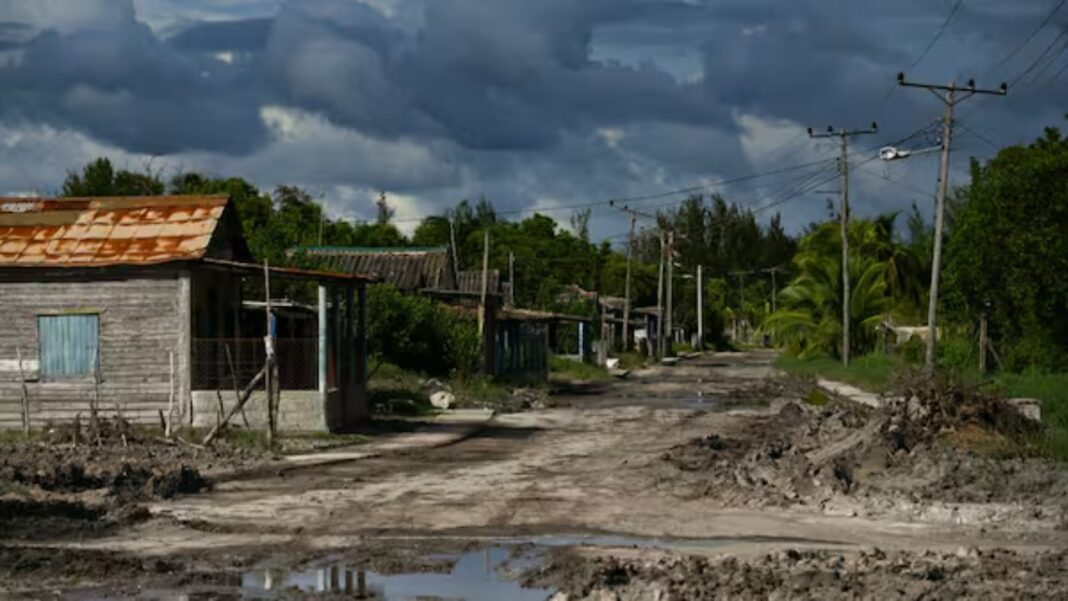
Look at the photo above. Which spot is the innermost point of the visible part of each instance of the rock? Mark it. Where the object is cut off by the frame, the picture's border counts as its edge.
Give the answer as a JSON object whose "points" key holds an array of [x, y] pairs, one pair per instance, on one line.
{"points": [[443, 399], [1029, 408]]}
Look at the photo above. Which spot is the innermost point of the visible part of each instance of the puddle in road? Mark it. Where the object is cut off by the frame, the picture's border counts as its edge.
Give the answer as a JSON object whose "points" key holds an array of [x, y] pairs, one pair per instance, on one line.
{"points": [[484, 575], [478, 576]]}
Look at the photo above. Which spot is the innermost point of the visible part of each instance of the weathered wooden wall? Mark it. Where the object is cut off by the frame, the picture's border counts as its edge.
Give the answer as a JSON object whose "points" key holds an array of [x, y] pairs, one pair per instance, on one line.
{"points": [[143, 318]]}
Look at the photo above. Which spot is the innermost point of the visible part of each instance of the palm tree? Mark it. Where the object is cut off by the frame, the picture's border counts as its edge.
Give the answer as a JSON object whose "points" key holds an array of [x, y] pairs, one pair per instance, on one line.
{"points": [[884, 276]]}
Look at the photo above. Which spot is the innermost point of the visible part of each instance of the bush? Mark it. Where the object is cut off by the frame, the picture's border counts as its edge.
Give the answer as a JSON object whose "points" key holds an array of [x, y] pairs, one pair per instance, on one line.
{"points": [[415, 333], [915, 350], [957, 354]]}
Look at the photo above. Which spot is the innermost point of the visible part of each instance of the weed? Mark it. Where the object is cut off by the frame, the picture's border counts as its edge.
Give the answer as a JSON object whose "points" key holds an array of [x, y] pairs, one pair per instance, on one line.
{"points": [[563, 368]]}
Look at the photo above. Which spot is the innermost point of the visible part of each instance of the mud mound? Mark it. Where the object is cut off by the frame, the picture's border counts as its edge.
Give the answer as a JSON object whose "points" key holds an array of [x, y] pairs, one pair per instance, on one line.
{"points": [[797, 455], [811, 575], [930, 406], [133, 480]]}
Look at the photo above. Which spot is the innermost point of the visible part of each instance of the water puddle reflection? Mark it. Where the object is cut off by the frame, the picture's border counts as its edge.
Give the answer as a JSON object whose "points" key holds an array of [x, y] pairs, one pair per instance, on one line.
{"points": [[478, 576]]}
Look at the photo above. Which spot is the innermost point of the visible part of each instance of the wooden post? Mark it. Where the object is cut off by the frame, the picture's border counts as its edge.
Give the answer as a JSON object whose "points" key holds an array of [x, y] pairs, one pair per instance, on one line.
{"points": [[25, 395], [660, 302], [485, 283], [363, 406], [982, 343], [626, 295], [237, 387], [170, 401], [511, 279], [268, 342]]}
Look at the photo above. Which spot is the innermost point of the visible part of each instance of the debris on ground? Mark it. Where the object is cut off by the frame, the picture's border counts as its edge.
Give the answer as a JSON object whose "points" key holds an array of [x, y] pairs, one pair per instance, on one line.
{"points": [[55, 486], [937, 442], [809, 574]]}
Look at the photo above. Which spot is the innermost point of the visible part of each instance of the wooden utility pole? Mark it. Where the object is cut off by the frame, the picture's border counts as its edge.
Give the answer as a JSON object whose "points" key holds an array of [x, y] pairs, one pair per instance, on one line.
{"points": [[455, 251], [660, 301], [774, 287], [511, 278], [948, 95], [741, 300], [843, 169], [626, 295], [700, 312], [669, 309], [485, 283], [659, 285]]}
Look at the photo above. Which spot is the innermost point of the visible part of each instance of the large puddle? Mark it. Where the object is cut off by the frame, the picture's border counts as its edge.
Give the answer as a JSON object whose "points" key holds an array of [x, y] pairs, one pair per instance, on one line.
{"points": [[479, 576], [488, 574]]}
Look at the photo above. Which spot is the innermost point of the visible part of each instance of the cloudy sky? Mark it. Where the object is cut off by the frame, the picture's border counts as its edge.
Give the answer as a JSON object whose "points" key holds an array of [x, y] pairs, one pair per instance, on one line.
{"points": [[535, 104]]}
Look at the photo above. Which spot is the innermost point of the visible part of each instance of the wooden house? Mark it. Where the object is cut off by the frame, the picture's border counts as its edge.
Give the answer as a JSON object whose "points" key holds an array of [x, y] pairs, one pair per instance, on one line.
{"points": [[135, 306]]}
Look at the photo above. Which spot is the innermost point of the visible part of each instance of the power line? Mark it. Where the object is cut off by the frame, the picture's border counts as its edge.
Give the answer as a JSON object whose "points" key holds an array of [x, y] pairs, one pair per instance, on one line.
{"points": [[941, 30], [978, 135], [1035, 63], [1030, 37]]}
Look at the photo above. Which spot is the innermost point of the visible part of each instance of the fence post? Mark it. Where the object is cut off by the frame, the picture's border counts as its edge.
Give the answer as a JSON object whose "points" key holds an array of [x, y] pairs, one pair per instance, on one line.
{"points": [[25, 395]]}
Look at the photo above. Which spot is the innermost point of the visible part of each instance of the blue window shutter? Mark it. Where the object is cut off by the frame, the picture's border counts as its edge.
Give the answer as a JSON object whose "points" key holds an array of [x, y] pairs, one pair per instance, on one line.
{"points": [[69, 345]]}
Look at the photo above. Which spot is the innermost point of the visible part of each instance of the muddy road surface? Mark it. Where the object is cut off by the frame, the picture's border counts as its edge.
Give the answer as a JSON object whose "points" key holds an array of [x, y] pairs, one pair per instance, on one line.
{"points": [[708, 479]]}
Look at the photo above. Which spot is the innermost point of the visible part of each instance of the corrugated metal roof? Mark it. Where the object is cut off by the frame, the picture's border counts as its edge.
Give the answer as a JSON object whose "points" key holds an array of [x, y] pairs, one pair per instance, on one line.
{"points": [[409, 269], [97, 232], [471, 281]]}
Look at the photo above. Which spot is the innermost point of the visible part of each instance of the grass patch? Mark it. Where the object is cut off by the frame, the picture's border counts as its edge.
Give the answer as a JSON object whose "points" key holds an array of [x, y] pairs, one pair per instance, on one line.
{"points": [[632, 360], [562, 368], [1052, 390], [874, 373], [816, 398]]}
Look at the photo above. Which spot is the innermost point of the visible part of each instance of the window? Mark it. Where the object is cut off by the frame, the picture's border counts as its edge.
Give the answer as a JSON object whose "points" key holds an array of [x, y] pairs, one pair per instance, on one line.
{"points": [[69, 345]]}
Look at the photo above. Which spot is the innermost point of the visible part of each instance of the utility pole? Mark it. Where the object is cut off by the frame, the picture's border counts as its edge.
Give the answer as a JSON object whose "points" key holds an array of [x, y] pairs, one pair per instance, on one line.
{"points": [[511, 278], [843, 168], [626, 296], [741, 301], [660, 280], [948, 95], [774, 287], [700, 313], [485, 283], [669, 326], [455, 251], [660, 302]]}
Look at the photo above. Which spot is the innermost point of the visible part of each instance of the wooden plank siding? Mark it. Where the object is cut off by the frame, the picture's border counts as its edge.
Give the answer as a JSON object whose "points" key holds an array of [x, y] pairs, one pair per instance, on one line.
{"points": [[142, 319]]}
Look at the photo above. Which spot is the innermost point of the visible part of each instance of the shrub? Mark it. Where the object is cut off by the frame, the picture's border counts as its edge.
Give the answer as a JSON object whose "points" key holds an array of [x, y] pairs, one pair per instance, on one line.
{"points": [[417, 334]]}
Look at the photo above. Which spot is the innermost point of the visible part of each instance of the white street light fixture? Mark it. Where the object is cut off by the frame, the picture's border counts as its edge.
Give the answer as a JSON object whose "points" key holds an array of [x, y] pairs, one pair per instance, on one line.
{"points": [[892, 153]]}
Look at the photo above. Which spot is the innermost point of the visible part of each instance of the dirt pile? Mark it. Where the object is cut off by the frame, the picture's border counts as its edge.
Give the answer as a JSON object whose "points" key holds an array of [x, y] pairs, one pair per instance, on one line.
{"points": [[932, 445], [929, 407], [796, 574], [56, 487], [796, 455]]}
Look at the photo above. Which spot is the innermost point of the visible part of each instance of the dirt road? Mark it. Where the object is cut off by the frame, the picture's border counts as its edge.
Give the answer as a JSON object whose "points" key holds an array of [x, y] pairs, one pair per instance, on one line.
{"points": [[597, 465]]}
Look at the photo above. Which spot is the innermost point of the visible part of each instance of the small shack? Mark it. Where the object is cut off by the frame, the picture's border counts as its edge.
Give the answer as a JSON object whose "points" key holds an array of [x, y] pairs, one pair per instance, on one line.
{"points": [[135, 306]]}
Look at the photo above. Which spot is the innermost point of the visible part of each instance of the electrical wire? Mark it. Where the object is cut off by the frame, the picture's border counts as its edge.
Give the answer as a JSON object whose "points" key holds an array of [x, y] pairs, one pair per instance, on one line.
{"points": [[938, 36], [1041, 26]]}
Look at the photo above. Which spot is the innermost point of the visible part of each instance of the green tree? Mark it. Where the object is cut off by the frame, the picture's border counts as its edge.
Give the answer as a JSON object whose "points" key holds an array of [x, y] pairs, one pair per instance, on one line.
{"points": [[99, 178], [1009, 247]]}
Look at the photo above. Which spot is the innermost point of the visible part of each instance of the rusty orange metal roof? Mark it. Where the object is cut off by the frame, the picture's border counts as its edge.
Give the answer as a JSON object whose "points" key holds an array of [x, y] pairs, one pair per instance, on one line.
{"points": [[98, 232]]}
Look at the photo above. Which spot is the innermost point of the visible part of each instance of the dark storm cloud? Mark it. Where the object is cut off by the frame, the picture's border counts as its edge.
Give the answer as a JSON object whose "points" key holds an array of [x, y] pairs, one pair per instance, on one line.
{"points": [[528, 100], [122, 85]]}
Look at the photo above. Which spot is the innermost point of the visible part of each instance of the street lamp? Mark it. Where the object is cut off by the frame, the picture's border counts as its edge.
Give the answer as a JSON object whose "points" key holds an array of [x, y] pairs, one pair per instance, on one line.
{"points": [[892, 153]]}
